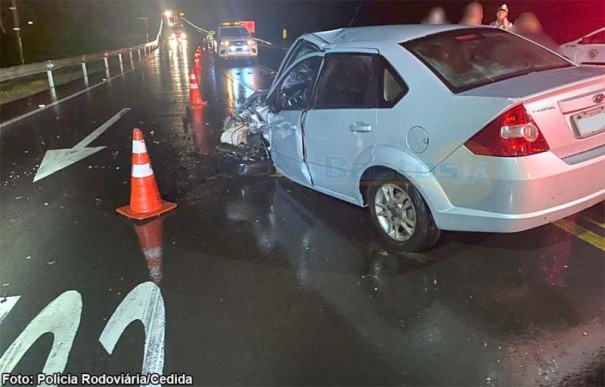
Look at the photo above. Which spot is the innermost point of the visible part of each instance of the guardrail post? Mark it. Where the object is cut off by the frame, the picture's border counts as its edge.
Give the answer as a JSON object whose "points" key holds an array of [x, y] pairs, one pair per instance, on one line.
{"points": [[139, 53], [84, 70], [121, 63], [49, 71], [106, 61], [131, 59]]}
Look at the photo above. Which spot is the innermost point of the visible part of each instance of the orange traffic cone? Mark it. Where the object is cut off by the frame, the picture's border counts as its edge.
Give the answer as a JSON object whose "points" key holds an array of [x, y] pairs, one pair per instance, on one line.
{"points": [[150, 239], [145, 200], [197, 60], [194, 91]]}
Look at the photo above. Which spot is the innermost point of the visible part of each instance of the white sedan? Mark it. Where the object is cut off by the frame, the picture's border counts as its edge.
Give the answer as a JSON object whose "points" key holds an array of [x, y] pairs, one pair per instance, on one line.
{"points": [[588, 50], [440, 128]]}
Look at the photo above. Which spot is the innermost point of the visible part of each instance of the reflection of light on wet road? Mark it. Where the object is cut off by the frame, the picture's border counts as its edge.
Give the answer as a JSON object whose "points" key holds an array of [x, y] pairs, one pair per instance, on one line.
{"points": [[202, 142], [184, 45], [241, 82], [244, 77], [179, 71], [230, 93]]}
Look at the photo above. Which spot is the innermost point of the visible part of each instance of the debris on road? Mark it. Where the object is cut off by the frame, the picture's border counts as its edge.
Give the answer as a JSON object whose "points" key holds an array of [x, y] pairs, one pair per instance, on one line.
{"points": [[245, 143]]}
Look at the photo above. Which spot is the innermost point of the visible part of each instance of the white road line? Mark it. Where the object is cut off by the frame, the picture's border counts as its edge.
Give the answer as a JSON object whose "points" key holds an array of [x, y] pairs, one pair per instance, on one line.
{"points": [[143, 303], [61, 318], [56, 159], [28, 114], [99, 131]]}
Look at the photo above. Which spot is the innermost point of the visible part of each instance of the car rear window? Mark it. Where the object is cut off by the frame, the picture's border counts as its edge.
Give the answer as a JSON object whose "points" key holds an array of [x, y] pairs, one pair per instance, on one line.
{"points": [[470, 58], [233, 32]]}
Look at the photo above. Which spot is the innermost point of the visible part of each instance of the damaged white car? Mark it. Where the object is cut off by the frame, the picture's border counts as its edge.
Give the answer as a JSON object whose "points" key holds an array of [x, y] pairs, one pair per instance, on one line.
{"points": [[438, 128]]}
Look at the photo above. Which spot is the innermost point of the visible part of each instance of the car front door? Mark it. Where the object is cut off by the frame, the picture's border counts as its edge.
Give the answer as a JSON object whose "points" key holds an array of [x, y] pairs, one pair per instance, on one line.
{"points": [[340, 128], [288, 101]]}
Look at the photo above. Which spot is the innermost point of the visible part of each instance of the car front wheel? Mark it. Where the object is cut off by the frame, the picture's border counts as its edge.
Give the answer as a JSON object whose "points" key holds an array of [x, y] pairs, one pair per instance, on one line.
{"points": [[401, 215]]}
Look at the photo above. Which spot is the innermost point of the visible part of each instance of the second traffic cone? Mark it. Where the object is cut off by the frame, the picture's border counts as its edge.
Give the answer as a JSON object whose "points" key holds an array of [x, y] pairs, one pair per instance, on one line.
{"points": [[197, 61], [150, 239], [145, 200], [195, 97]]}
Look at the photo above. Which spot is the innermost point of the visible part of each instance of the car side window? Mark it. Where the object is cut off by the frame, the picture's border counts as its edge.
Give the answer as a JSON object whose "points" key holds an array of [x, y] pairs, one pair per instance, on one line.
{"points": [[348, 81], [296, 88], [358, 81], [393, 87]]}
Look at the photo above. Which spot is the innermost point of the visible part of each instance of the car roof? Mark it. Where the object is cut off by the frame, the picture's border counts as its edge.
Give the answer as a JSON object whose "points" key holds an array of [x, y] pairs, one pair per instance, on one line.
{"points": [[385, 34]]}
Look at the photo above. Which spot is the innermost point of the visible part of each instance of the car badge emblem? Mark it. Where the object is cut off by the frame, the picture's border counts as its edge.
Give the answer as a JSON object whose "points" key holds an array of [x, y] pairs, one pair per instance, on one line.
{"points": [[598, 98]]}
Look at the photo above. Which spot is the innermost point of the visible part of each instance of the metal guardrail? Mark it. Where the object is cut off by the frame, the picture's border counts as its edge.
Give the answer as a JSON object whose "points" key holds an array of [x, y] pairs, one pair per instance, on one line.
{"points": [[49, 66], [200, 29]]}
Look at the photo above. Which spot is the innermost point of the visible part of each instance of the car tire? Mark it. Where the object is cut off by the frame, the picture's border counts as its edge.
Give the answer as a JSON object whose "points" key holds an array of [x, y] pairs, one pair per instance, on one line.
{"points": [[401, 215]]}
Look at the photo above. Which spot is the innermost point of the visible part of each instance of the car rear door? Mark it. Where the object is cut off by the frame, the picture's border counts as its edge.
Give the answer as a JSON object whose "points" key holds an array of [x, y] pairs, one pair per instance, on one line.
{"points": [[288, 101], [340, 128]]}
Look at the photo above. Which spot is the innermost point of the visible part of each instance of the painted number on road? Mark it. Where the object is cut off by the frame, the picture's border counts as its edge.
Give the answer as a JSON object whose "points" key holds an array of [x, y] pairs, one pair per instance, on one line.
{"points": [[62, 318]]}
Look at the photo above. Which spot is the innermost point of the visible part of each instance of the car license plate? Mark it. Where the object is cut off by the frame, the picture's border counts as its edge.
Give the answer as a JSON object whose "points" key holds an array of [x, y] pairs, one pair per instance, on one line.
{"points": [[590, 122]]}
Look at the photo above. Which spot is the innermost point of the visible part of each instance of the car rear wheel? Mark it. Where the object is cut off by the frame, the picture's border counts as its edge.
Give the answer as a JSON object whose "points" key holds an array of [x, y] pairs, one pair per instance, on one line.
{"points": [[401, 215]]}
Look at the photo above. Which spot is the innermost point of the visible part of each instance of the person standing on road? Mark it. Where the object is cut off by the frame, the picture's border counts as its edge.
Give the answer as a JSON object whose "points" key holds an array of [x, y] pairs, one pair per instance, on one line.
{"points": [[436, 16], [528, 26], [473, 14], [502, 19]]}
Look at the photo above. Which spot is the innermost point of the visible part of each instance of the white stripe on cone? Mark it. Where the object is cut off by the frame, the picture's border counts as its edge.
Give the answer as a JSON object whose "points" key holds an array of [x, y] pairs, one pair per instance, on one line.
{"points": [[153, 252], [193, 86], [142, 170], [138, 146]]}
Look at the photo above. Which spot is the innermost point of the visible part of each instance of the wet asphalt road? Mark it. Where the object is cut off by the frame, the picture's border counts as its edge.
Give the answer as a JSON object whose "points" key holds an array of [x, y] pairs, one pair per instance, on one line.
{"points": [[263, 282]]}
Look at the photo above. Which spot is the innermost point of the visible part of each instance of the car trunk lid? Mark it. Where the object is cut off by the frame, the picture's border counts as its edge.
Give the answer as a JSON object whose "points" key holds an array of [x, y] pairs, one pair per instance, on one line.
{"points": [[568, 105]]}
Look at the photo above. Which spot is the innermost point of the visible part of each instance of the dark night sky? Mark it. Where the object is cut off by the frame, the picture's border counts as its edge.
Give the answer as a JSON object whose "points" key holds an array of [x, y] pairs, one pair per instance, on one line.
{"points": [[65, 28]]}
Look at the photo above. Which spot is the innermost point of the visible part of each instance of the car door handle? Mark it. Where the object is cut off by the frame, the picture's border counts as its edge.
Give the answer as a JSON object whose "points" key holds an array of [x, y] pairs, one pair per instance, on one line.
{"points": [[360, 127]]}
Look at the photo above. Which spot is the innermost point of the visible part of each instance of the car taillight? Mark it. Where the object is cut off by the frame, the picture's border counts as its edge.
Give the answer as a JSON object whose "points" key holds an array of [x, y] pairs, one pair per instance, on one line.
{"points": [[512, 134]]}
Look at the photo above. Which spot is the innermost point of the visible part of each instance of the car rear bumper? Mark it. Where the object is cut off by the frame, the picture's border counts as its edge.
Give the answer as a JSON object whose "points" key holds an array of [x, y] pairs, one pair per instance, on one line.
{"points": [[513, 194]]}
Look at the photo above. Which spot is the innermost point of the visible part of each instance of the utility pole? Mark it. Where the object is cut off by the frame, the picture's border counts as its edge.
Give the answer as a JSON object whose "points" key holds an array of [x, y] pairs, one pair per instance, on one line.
{"points": [[17, 29]]}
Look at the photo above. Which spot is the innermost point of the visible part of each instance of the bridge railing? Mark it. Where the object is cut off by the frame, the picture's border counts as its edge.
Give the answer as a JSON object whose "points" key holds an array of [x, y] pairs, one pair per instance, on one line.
{"points": [[49, 66]]}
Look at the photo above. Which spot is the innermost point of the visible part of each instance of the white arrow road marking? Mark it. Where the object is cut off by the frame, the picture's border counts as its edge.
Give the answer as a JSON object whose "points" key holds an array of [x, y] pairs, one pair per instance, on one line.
{"points": [[143, 303], [61, 318], [56, 159], [7, 305]]}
